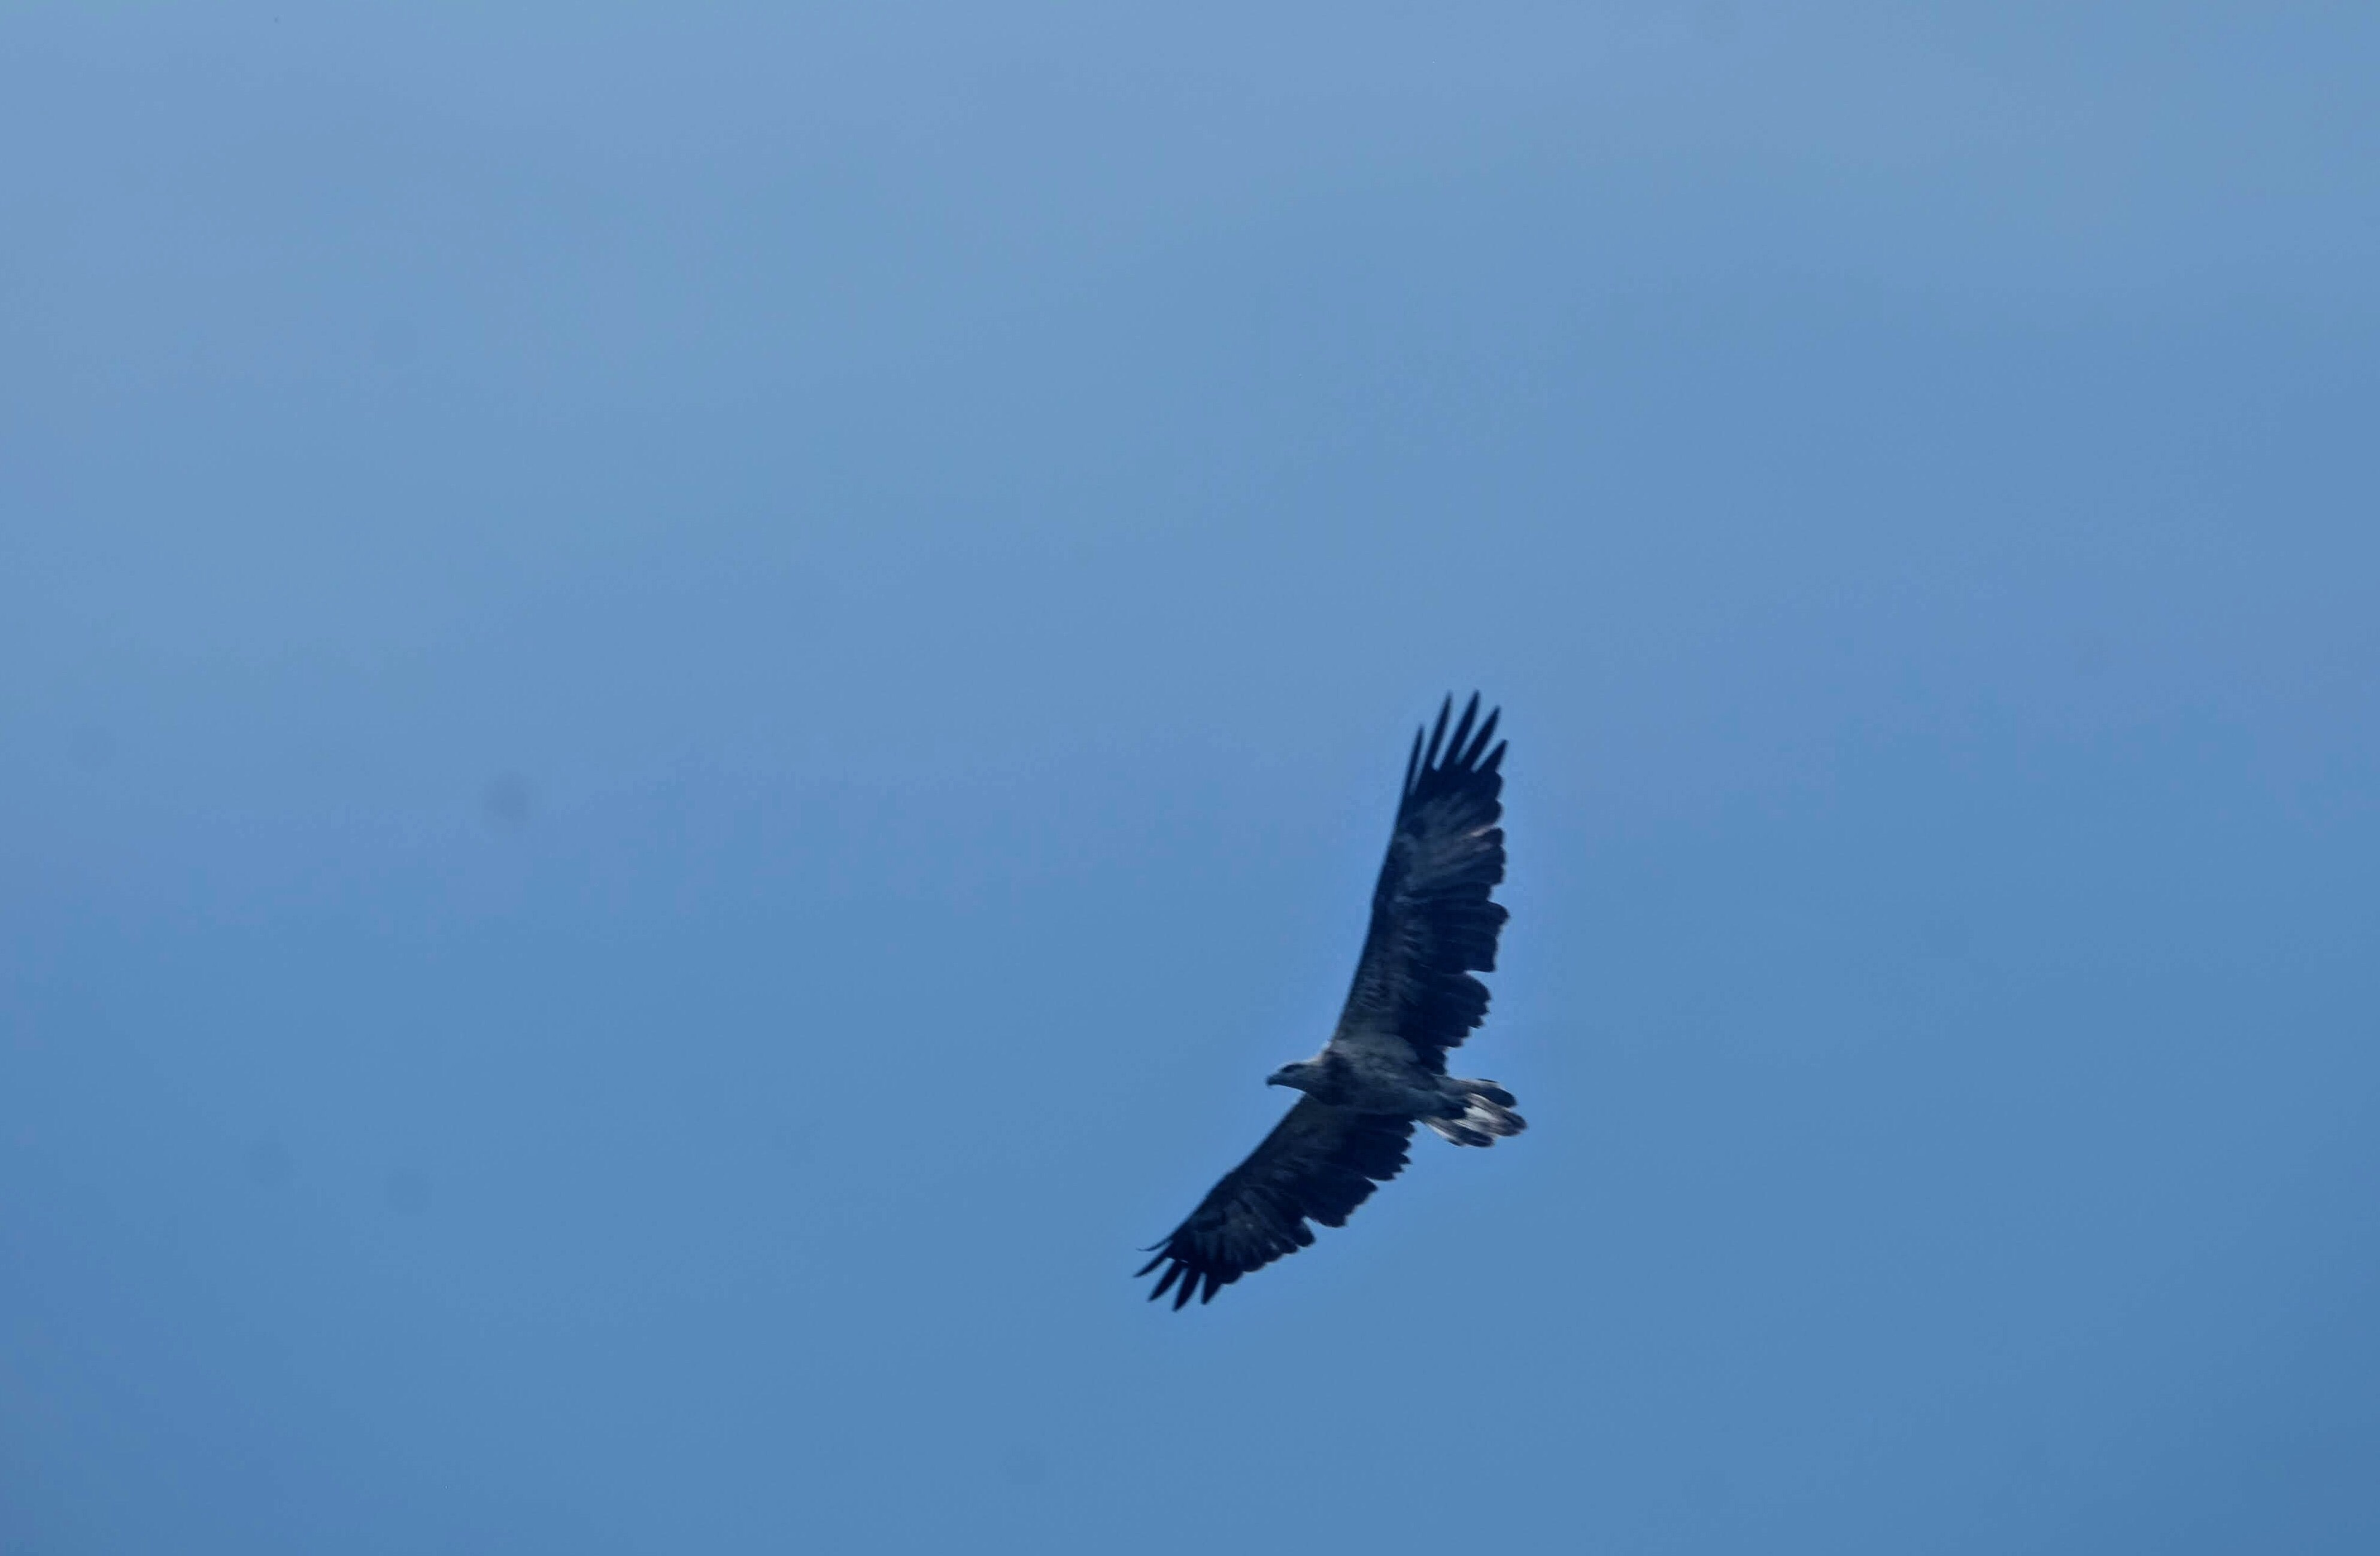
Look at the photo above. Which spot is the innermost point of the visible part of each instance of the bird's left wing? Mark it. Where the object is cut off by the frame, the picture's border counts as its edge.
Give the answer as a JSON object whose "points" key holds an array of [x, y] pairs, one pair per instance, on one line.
{"points": [[1434, 916], [1319, 1163]]}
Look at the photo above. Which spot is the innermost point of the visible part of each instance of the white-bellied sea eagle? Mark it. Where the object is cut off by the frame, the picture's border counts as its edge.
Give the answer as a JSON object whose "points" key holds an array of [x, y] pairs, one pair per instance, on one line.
{"points": [[1384, 1068]]}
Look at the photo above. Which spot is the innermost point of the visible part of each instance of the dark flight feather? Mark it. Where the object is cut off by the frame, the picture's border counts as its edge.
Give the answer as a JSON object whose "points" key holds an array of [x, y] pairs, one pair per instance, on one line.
{"points": [[1319, 1163]]}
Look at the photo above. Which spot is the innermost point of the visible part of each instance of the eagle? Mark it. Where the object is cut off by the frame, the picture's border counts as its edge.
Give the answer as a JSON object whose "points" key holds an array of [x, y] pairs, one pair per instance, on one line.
{"points": [[1434, 925]]}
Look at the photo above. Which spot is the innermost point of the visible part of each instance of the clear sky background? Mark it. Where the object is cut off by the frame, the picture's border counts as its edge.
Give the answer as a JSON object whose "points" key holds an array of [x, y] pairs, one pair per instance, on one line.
{"points": [[690, 696]]}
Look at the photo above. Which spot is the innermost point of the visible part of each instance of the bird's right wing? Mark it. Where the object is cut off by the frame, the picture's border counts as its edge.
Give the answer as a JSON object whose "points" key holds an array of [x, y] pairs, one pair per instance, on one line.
{"points": [[1319, 1163]]}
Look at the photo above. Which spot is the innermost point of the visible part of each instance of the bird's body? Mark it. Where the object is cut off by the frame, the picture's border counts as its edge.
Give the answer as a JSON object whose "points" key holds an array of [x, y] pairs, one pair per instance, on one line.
{"points": [[1384, 1070]]}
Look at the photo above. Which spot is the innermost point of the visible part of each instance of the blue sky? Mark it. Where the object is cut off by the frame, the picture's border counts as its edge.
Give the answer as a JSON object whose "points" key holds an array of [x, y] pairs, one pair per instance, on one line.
{"points": [[691, 695]]}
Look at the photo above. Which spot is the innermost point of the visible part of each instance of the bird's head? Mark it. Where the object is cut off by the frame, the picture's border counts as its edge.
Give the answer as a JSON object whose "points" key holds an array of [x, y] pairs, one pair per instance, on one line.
{"points": [[1303, 1075]]}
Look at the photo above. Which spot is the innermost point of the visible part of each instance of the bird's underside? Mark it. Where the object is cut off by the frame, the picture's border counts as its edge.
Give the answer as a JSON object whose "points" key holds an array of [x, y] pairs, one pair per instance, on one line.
{"points": [[1433, 925]]}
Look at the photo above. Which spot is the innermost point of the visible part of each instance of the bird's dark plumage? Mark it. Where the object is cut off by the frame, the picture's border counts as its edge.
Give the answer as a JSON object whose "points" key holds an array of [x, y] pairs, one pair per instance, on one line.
{"points": [[1433, 925], [1319, 1163]]}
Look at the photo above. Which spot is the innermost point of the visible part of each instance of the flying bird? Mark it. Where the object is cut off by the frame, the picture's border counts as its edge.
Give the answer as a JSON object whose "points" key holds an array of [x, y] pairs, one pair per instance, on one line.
{"points": [[1384, 1068]]}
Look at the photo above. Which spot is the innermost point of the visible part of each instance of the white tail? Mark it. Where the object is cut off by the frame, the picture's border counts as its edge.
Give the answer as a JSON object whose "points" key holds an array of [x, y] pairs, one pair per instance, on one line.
{"points": [[1487, 1115]]}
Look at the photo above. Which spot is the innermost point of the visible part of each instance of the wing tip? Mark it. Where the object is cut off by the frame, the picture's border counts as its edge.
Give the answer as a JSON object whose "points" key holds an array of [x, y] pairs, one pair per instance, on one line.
{"points": [[1438, 733], [1461, 737], [1187, 1278], [1486, 733], [1463, 751]]}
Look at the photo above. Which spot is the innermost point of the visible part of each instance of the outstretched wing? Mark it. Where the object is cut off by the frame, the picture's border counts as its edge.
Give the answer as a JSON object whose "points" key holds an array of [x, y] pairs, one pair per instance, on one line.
{"points": [[1432, 923], [1319, 1163]]}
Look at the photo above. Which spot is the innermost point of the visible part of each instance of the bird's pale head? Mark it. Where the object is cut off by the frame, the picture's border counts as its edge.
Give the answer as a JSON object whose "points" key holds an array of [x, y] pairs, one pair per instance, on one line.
{"points": [[1303, 1075]]}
